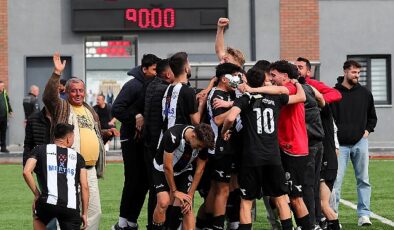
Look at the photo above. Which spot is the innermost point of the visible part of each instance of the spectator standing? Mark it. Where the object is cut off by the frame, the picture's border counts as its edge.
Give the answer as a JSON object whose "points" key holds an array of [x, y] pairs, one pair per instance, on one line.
{"points": [[127, 110], [103, 111], [5, 110], [88, 136], [30, 102], [355, 117]]}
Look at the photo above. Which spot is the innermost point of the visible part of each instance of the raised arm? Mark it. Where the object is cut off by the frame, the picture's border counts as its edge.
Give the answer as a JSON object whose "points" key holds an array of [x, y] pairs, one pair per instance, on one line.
{"points": [[50, 96], [219, 42]]}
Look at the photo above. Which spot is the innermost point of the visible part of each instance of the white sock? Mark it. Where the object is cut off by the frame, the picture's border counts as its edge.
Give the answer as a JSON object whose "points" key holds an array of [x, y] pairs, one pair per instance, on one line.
{"points": [[132, 224], [122, 222], [234, 225]]}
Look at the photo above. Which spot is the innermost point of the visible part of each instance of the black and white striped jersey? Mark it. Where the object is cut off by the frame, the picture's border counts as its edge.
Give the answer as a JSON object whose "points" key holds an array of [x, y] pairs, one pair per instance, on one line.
{"points": [[174, 142], [221, 146], [58, 172], [179, 102]]}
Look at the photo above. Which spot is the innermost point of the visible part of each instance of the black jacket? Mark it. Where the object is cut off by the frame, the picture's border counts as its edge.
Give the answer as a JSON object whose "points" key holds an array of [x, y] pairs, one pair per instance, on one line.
{"points": [[30, 105], [37, 132], [124, 108], [329, 161], [313, 121], [153, 112], [354, 114]]}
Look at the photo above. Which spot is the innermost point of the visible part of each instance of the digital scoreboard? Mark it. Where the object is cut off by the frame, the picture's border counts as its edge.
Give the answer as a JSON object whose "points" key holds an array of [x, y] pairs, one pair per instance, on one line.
{"points": [[146, 15]]}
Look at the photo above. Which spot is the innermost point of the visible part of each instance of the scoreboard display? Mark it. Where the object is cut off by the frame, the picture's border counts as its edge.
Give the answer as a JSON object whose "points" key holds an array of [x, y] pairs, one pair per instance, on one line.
{"points": [[146, 15]]}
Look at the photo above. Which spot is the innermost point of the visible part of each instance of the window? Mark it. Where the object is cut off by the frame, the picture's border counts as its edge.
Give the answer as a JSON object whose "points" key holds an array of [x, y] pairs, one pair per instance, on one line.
{"points": [[376, 76]]}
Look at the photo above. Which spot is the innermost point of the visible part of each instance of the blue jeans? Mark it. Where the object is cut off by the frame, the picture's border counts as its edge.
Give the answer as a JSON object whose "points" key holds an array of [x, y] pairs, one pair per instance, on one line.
{"points": [[359, 156]]}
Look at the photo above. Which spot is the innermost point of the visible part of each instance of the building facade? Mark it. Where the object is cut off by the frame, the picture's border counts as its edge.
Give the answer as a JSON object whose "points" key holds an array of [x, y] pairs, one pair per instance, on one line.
{"points": [[325, 31]]}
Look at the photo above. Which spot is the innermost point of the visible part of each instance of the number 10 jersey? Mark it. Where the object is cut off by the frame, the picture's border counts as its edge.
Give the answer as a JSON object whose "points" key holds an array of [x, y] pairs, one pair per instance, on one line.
{"points": [[259, 115]]}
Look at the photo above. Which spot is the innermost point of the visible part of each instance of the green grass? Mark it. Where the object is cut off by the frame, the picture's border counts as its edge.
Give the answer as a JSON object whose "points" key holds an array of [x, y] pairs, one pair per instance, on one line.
{"points": [[16, 198]]}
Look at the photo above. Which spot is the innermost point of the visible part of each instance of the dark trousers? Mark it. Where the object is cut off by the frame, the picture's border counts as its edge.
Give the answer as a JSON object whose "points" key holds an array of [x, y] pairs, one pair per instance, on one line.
{"points": [[149, 155], [3, 132], [135, 180], [311, 188]]}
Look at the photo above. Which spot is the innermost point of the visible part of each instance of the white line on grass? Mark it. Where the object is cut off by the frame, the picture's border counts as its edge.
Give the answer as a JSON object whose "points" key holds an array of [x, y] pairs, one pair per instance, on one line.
{"points": [[373, 215]]}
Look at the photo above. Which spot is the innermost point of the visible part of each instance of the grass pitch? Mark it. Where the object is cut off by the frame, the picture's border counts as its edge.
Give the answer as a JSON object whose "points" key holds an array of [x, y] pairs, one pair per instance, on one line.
{"points": [[16, 198]]}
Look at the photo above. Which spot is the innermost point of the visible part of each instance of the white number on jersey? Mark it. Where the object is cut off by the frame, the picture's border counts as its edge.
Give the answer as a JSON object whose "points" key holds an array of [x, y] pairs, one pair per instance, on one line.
{"points": [[268, 116]]}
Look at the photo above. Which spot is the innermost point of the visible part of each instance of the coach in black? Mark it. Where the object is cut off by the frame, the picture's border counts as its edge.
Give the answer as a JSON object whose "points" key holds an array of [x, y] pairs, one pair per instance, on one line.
{"points": [[125, 110], [172, 174], [261, 167], [60, 171]]}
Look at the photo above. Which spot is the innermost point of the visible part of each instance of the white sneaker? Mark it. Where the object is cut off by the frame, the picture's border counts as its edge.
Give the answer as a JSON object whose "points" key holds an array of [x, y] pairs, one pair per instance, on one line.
{"points": [[364, 221]]}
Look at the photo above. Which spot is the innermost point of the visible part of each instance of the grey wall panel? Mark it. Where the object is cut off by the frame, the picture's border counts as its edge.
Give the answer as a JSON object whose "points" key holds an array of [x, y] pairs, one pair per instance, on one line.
{"points": [[37, 28], [357, 27], [267, 30]]}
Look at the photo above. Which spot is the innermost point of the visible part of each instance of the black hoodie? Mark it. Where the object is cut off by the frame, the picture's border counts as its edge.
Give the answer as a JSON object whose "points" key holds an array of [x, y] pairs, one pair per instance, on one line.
{"points": [[125, 106], [354, 114]]}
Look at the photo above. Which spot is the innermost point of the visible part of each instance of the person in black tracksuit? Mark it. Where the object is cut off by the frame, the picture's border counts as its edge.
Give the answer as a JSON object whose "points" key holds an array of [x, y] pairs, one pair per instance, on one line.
{"points": [[153, 95], [328, 171], [315, 133], [125, 110]]}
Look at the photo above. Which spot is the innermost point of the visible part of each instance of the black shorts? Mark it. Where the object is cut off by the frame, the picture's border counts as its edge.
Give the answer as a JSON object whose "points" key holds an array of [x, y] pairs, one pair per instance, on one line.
{"points": [[222, 168], [267, 180], [328, 176], [294, 167], [68, 218], [183, 181]]}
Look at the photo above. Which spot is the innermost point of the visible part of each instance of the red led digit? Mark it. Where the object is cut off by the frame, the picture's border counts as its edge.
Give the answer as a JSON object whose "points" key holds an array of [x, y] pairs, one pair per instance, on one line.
{"points": [[131, 15], [144, 18], [156, 18], [169, 18]]}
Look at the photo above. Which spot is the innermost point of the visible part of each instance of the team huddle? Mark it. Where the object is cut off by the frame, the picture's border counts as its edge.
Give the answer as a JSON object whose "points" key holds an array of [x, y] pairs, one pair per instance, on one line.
{"points": [[267, 133]]}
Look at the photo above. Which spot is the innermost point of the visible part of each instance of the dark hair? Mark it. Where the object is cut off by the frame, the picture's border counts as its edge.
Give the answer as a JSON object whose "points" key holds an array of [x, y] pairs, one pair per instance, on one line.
{"points": [[161, 66], [62, 129], [149, 60], [227, 68], [178, 62], [205, 134], [262, 65], [63, 81], [349, 63], [307, 62], [284, 66], [101, 95], [255, 78]]}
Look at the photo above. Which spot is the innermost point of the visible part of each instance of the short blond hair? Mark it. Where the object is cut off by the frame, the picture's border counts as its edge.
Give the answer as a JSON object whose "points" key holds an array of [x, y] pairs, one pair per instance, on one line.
{"points": [[237, 54]]}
